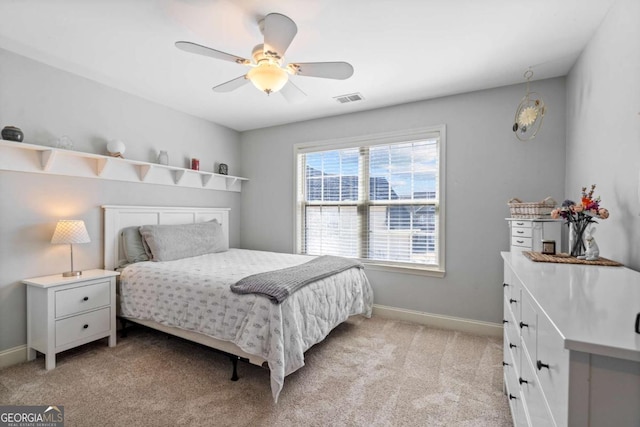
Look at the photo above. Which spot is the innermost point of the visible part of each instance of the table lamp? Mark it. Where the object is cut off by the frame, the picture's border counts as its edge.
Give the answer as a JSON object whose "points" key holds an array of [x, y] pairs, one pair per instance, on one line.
{"points": [[70, 231]]}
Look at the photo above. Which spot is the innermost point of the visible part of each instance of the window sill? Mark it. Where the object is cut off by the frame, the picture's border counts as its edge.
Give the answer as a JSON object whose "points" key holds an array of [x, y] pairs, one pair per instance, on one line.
{"points": [[392, 268]]}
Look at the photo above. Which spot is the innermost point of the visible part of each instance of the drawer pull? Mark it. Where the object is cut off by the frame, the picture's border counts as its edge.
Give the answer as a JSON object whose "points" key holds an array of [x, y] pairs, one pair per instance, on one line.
{"points": [[85, 299], [523, 325], [506, 364], [504, 321], [520, 241], [638, 324], [541, 365], [504, 285], [511, 396], [520, 232], [521, 381], [519, 223], [511, 300], [511, 345], [85, 326]]}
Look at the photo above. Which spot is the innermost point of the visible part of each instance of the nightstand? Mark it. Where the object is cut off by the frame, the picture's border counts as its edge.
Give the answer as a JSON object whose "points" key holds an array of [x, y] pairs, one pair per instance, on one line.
{"points": [[65, 312]]}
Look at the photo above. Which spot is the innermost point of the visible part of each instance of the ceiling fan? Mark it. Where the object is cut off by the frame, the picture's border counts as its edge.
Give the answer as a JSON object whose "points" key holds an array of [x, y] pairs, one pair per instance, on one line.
{"points": [[267, 71]]}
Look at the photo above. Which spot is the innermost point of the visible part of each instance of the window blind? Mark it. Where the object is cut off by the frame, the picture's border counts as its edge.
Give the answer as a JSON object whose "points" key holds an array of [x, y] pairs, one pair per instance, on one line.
{"points": [[374, 202]]}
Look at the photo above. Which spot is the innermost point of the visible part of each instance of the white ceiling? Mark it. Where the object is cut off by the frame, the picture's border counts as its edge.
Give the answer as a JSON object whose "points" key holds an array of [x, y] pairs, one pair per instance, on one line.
{"points": [[402, 50]]}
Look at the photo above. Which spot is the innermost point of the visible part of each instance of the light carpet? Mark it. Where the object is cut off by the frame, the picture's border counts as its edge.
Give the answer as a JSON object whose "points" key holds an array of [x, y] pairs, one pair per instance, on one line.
{"points": [[367, 372]]}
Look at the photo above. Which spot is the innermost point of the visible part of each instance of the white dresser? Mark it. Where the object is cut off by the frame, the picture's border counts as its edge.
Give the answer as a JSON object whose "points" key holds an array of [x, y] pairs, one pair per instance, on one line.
{"points": [[528, 234], [65, 312], [571, 353]]}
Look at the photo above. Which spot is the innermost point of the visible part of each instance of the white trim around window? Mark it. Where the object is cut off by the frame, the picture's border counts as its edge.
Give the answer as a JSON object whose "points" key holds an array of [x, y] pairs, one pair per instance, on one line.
{"points": [[302, 202]]}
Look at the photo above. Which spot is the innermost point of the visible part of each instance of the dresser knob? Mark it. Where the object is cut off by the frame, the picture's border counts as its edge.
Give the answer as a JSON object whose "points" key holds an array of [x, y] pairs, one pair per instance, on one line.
{"points": [[504, 321], [85, 326], [521, 381], [505, 364], [523, 325], [541, 365], [85, 299], [512, 345], [511, 396], [511, 300]]}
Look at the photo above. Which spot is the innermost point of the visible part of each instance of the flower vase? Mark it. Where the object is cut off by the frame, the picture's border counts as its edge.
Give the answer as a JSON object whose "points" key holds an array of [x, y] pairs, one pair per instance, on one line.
{"points": [[577, 247], [163, 158]]}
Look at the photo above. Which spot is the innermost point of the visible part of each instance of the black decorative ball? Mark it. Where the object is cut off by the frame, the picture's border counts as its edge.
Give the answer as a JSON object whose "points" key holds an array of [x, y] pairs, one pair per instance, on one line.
{"points": [[12, 133]]}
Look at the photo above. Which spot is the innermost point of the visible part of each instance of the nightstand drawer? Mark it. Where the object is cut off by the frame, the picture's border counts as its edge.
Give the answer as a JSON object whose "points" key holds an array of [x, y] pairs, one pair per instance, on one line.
{"points": [[83, 298], [85, 325], [521, 241]]}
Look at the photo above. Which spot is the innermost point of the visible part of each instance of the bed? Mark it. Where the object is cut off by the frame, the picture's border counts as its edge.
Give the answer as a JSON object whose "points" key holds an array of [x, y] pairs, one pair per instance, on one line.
{"points": [[191, 297]]}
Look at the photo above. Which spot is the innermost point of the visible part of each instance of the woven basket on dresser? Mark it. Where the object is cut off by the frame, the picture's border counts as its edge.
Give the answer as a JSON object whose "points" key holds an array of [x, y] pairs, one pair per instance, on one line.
{"points": [[520, 209]]}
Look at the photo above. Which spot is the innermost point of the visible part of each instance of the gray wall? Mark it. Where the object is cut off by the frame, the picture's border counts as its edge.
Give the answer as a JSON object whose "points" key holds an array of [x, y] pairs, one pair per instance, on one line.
{"points": [[603, 129], [485, 166], [46, 103]]}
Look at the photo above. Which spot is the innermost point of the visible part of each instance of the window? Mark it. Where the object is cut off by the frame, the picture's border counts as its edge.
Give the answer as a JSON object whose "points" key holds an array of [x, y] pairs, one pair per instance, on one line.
{"points": [[378, 199]]}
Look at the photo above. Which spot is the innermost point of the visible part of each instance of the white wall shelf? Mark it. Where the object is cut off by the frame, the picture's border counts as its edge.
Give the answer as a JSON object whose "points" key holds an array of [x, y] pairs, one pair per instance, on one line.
{"points": [[22, 157]]}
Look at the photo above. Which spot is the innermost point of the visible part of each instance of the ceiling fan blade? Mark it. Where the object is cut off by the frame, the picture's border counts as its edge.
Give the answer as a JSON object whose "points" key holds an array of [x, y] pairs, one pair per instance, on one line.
{"points": [[279, 31], [292, 93], [231, 84], [327, 70], [207, 51]]}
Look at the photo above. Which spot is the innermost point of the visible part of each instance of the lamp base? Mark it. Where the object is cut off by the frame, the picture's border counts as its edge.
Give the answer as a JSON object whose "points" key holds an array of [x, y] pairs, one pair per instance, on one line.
{"points": [[72, 274]]}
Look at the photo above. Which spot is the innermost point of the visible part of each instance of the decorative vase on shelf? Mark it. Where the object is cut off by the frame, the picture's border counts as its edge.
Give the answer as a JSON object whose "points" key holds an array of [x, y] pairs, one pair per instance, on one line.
{"points": [[12, 133], [163, 158]]}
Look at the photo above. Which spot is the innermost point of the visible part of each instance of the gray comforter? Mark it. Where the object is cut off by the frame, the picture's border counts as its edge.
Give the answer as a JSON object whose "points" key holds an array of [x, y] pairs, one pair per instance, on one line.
{"points": [[277, 285]]}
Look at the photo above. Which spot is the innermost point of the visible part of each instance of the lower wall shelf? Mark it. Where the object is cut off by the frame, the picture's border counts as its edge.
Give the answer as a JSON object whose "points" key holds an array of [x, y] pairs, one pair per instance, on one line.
{"points": [[21, 157]]}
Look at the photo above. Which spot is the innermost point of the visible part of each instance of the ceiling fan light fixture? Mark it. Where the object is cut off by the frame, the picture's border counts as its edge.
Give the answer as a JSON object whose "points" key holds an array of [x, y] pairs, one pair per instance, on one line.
{"points": [[268, 77]]}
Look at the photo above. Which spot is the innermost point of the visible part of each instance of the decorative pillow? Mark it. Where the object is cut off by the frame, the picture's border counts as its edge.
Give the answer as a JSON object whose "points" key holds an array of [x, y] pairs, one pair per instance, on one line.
{"points": [[169, 242], [133, 246]]}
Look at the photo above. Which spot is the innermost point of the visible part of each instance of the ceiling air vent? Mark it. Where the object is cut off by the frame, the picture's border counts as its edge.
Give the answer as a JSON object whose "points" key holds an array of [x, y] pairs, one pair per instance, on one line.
{"points": [[352, 97]]}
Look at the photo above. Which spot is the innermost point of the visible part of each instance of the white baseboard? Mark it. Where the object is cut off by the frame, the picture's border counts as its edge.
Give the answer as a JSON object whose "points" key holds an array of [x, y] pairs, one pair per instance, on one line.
{"points": [[13, 356], [439, 321]]}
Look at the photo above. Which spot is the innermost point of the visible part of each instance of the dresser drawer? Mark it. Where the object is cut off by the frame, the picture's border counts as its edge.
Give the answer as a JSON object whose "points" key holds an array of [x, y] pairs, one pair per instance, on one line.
{"points": [[532, 395], [82, 298], [513, 389], [554, 380], [82, 326], [512, 339], [528, 325], [521, 232], [511, 285], [524, 242]]}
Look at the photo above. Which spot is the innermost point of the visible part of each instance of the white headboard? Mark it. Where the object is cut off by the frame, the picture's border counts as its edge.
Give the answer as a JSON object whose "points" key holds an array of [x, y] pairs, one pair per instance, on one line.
{"points": [[118, 217]]}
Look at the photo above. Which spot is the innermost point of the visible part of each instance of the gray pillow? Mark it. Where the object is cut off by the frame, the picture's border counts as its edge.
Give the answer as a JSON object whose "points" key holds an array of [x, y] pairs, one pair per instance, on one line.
{"points": [[132, 245], [170, 242]]}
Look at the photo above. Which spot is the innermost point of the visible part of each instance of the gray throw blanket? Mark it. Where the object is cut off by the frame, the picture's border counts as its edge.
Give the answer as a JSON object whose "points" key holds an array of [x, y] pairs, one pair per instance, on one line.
{"points": [[277, 285]]}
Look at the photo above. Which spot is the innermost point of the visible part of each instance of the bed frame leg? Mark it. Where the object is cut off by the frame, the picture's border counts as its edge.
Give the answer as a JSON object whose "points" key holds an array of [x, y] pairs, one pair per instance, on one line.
{"points": [[234, 361], [123, 329]]}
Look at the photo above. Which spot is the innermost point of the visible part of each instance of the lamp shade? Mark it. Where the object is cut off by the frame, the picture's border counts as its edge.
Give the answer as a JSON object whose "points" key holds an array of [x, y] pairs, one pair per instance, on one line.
{"points": [[70, 231]]}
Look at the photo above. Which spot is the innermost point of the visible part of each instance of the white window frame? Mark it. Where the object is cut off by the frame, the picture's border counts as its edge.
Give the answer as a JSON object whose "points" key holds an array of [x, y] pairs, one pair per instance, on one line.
{"points": [[438, 131]]}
